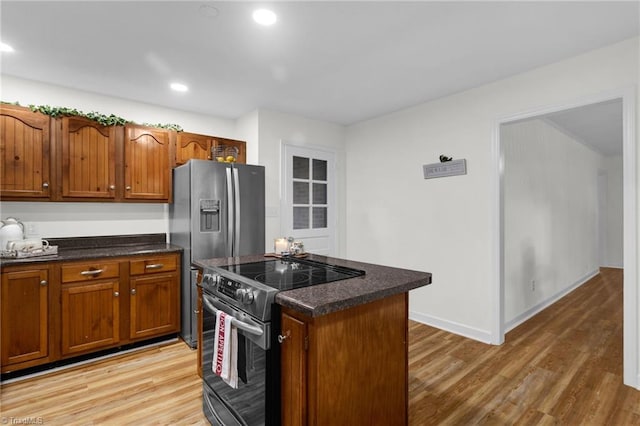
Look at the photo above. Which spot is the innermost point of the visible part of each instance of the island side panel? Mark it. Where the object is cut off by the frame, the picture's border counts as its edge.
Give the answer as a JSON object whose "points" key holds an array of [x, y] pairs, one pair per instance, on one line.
{"points": [[357, 366]]}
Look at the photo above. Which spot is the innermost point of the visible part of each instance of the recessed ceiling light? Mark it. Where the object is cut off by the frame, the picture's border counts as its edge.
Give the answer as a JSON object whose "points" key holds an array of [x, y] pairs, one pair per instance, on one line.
{"points": [[5, 47], [179, 87], [264, 17]]}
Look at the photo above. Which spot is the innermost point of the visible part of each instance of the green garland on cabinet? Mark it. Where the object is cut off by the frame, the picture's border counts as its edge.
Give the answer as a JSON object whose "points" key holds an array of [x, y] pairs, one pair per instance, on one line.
{"points": [[105, 120]]}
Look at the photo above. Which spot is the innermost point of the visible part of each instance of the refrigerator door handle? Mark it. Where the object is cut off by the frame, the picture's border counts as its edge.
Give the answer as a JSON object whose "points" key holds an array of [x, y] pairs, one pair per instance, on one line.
{"points": [[236, 232], [230, 215]]}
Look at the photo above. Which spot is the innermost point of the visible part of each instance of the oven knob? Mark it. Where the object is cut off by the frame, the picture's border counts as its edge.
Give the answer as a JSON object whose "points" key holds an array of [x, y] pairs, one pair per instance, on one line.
{"points": [[244, 296], [211, 279]]}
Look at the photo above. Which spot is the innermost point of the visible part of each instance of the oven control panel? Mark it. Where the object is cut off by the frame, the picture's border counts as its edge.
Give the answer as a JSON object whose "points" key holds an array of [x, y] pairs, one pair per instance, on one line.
{"points": [[230, 288]]}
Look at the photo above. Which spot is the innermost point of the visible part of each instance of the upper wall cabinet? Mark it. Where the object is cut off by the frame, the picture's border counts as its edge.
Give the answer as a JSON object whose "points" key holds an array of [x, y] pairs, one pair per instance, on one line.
{"points": [[77, 159], [88, 160], [193, 146], [148, 161], [230, 147], [24, 153]]}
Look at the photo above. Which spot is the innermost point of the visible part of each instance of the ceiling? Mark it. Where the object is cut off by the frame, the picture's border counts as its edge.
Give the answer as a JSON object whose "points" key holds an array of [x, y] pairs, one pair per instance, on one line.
{"points": [[341, 62], [597, 125]]}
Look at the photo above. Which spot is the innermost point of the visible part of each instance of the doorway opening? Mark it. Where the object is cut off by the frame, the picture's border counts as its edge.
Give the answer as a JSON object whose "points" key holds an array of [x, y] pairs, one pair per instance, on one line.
{"points": [[560, 186]]}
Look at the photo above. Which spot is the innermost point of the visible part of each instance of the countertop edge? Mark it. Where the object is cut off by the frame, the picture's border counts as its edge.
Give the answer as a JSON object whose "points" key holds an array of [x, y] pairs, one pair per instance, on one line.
{"points": [[318, 310], [93, 253]]}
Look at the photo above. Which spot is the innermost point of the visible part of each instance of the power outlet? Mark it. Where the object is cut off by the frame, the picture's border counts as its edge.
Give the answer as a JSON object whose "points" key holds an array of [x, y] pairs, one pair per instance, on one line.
{"points": [[30, 229], [533, 285]]}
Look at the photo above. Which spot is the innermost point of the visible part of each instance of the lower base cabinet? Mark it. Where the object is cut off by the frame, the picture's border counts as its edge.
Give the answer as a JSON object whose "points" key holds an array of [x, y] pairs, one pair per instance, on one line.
{"points": [[24, 300], [153, 309], [53, 311], [346, 367], [90, 316]]}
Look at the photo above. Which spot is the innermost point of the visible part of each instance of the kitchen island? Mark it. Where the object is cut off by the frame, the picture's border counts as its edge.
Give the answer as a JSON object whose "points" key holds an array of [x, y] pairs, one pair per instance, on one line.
{"points": [[343, 345]]}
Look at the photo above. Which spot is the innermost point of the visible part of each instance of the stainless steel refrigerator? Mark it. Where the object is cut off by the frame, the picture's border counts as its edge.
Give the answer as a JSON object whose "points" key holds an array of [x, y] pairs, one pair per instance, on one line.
{"points": [[217, 211]]}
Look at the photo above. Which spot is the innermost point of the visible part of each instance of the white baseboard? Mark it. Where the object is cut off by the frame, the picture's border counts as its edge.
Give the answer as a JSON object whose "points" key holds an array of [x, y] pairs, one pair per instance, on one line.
{"points": [[510, 325], [452, 327], [485, 336]]}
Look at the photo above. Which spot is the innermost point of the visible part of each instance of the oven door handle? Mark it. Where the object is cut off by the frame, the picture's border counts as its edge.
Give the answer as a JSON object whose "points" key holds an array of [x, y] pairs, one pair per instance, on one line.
{"points": [[249, 328]]}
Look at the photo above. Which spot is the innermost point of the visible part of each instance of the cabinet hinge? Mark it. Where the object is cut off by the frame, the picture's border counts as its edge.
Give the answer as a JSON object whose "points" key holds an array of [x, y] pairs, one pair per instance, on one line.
{"points": [[306, 343]]}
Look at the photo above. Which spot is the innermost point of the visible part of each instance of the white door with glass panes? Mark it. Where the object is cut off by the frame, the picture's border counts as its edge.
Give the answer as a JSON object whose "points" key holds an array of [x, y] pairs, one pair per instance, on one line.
{"points": [[308, 202]]}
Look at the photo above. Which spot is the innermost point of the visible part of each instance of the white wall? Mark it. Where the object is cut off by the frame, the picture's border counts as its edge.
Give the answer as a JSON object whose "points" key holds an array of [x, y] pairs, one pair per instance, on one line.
{"points": [[446, 226], [550, 187], [276, 128], [613, 246], [48, 220]]}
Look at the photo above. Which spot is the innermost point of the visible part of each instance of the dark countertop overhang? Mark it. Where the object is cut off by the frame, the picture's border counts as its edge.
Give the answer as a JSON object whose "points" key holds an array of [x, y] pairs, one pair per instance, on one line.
{"points": [[81, 248], [377, 283]]}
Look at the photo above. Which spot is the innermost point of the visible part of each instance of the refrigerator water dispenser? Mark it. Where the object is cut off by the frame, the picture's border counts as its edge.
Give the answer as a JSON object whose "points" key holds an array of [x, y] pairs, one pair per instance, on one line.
{"points": [[209, 215]]}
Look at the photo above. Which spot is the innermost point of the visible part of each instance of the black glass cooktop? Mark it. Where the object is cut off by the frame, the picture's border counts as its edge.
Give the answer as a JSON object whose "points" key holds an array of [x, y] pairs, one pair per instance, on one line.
{"points": [[288, 273]]}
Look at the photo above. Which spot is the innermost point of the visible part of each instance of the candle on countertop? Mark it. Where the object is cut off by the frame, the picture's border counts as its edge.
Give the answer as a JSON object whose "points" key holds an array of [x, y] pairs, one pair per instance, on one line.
{"points": [[281, 245]]}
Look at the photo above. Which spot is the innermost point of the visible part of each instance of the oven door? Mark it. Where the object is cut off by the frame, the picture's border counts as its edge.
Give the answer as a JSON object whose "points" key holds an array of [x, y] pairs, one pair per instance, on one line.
{"points": [[246, 405]]}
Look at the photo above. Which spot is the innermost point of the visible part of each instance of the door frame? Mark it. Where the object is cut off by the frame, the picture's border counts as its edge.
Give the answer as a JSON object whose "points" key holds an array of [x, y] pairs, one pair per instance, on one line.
{"points": [[631, 317]]}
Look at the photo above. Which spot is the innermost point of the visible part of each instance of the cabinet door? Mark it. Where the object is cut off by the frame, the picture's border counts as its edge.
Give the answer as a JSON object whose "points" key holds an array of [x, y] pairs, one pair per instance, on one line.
{"points": [[192, 146], [25, 331], [88, 159], [155, 305], [294, 371], [90, 316], [24, 153], [147, 173]]}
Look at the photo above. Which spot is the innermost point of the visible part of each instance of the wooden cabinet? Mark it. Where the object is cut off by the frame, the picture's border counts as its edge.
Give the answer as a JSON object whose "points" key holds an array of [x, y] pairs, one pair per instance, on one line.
{"points": [[55, 311], [147, 164], [24, 318], [347, 367], [199, 321], [154, 290], [90, 306], [294, 378], [24, 154], [232, 147], [76, 159], [193, 146], [87, 166]]}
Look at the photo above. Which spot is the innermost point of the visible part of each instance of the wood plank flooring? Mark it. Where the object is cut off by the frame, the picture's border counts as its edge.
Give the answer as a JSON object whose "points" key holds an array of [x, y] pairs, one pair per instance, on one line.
{"points": [[563, 367]]}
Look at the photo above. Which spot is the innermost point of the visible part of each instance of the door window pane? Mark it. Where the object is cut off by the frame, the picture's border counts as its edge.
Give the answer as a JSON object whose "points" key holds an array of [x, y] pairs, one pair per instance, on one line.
{"points": [[319, 217], [301, 193], [319, 193], [300, 167], [319, 170], [301, 218]]}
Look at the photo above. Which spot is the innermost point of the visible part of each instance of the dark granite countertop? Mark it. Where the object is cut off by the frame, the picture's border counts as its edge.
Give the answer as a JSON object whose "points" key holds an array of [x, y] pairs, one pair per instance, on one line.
{"points": [[79, 248], [377, 283]]}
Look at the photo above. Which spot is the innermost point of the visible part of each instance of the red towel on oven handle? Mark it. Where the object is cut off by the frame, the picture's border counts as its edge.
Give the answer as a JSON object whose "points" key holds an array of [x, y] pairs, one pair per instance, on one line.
{"points": [[225, 350]]}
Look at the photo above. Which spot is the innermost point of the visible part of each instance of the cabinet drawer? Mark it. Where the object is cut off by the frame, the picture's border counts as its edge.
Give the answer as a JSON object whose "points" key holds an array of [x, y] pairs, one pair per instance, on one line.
{"points": [[85, 271], [150, 265]]}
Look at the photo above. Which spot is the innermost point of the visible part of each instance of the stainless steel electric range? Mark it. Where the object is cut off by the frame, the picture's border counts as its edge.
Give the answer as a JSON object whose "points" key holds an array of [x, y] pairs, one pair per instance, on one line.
{"points": [[247, 291]]}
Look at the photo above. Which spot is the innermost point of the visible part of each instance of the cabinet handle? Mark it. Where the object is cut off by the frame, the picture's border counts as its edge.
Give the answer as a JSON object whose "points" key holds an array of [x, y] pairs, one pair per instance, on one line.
{"points": [[92, 272], [128, 188], [112, 187], [282, 338], [43, 283], [116, 293], [154, 266], [45, 185], [133, 291]]}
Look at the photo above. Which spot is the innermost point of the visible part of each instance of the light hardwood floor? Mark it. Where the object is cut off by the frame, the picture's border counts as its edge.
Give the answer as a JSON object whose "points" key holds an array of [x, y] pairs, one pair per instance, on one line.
{"points": [[564, 366]]}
